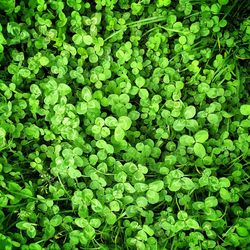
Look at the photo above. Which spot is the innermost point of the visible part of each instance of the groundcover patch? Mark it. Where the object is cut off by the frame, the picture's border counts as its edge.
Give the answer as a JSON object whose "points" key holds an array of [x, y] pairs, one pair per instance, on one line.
{"points": [[124, 124]]}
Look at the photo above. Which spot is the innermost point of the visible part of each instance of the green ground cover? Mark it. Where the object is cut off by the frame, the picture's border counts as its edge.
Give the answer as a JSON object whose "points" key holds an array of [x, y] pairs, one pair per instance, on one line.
{"points": [[124, 124]]}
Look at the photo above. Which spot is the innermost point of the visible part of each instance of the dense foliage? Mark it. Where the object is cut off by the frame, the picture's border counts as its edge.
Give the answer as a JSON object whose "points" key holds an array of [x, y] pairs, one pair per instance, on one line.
{"points": [[124, 124]]}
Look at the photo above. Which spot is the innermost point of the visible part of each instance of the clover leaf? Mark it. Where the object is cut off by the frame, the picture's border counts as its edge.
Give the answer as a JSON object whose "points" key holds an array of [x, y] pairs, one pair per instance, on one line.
{"points": [[201, 136], [187, 140], [189, 112], [191, 223], [124, 122], [245, 109], [152, 196], [199, 150]]}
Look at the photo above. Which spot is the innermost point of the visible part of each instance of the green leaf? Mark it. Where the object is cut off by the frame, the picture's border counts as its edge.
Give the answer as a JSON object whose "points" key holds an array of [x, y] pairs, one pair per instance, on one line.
{"points": [[140, 81], [187, 140], [124, 122], [121, 176], [148, 230], [176, 174], [192, 125], [81, 108], [191, 223], [156, 185], [245, 109], [96, 206], [213, 119], [77, 39], [175, 185], [224, 182], [141, 187], [242, 231], [195, 27], [31, 232], [95, 222], [87, 195], [44, 61], [63, 89], [179, 125], [201, 136], [223, 2], [111, 122], [34, 89], [182, 215], [119, 133], [211, 201], [170, 160], [56, 220], [111, 218], [143, 93], [187, 183], [152, 196], [74, 173], [24, 73], [199, 150], [23, 225], [114, 206], [87, 39], [141, 201], [225, 194], [52, 98], [81, 222], [32, 132], [2, 133], [179, 226], [86, 94], [182, 40]]}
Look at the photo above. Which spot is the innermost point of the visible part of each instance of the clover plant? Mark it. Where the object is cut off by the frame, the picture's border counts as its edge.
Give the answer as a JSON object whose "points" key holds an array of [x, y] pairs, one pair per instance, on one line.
{"points": [[124, 124]]}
